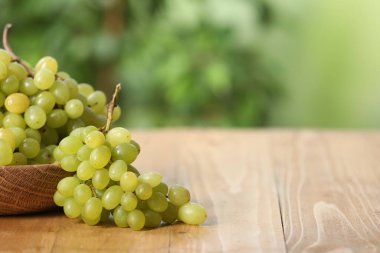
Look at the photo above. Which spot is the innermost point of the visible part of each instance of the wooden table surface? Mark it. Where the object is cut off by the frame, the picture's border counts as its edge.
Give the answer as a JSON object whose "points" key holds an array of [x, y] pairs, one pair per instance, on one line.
{"points": [[265, 191]]}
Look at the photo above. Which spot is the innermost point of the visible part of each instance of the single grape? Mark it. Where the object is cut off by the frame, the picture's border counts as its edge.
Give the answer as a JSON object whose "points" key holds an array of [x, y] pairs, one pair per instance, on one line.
{"points": [[116, 113], [49, 135], [94, 139], [192, 214], [20, 135], [179, 195], [162, 187], [63, 75], [117, 169], [3, 70], [100, 179], [128, 181], [44, 79], [152, 178], [111, 197], [144, 191], [19, 159], [16, 69], [170, 215], [72, 86], [13, 120], [100, 157], [74, 108], [70, 163], [61, 92], [45, 156], [9, 85], [97, 100], [129, 201], [17, 103], [136, 219], [91, 222], [30, 148], [84, 153], [7, 135], [45, 100], [82, 193], [35, 117], [118, 135], [33, 133], [142, 205], [85, 89], [85, 171], [47, 62], [133, 169], [58, 154], [71, 208], [124, 151], [120, 217], [56, 118], [5, 57], [92, 209], [157, 202], [6, 153], [59, 199], [67, 185], [134, 143], [152, 219], [73, 124], [70, 145], [27, 87]]}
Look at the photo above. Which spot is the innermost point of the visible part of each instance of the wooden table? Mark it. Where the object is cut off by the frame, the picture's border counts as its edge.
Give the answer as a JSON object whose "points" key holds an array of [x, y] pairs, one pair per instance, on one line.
{"points": [[265, 191]]}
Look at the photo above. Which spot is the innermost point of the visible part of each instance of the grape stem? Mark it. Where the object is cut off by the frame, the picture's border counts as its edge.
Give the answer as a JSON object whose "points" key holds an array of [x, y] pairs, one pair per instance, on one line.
{"points": [[8, 48], [111, 107]]}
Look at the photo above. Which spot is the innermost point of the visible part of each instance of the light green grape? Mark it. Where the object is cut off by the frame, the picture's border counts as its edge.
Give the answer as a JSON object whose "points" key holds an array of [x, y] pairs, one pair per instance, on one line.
{"points": [[192, 214], [70, 163], [136, 219], [126, 152], [133, 169], [67, 185], [47, 62], [143, 191], [56, 118], [58, 154], [70, 145], [85, 89], [49, 135], [100, 179], [92, 209], [19, 159], [72, 86], [94, 139], [117, 136], [63, 75], [44, 79], [134, 143], [33, 133], [16, 69], [162, 187], [100, 157], [74, 108], [117, 169], [71, 208], [85, 171], [157, 202], [9, 85], [84, 153], [27, 87], [59, 199], [152, 219], [178, 195], [97, 100], [111, 197], [73, 124], [45, 100], [91, 222], [129, 201], [120, 217], [7, 135], [17, 103], [45, 156], [116, 113], [13, 120], [19, 133], [61, 92], [30, 147], [6, 153], [3, 70], [90, 117], [82, 193], [35, 117], [5, 56], [152, 178], [128, 181], [170, 215]]}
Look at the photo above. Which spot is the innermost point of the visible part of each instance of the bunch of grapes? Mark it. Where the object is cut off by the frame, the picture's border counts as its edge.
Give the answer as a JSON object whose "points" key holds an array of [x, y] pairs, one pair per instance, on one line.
{"points": [[47, 117]]}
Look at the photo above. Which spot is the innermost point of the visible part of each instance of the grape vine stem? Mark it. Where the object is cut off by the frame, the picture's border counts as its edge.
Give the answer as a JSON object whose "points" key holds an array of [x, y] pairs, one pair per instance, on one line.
{"points": [[111, 107], [8, 48]]}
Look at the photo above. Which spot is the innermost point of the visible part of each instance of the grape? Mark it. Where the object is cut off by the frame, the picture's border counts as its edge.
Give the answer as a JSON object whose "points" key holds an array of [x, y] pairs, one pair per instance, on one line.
{"points": [[7, 135], [92, 209], [192, 213], [70, 163], [9, 85], [82, 193], [33, 133], [17, 103], [152, 219], [6, 153], [30, 147], [74, 108], [124, 151], [72, 85], [129, 201], [5, 57], [134, 143], [133, 169], [157, 202], [67, 185], [178, 195], [116, 113], [19, 134], [128, 181], [94, 139], [91, 222], [136, 219], [2, 99], [118, 135], [3, 71], [35, 117], [44, 79], [117, 169], [47, 62], [85, 170], [70, 145], [100, 179], [71, 208], [83, 153], [61, 92], [85, 89], [162, 187], [152, 178], [142, 205], [170, 214], [111, 197], [49, 135], [120, 217], [27, 87], [73, 124], [19, 159], [97, 100], [45, 100], [45, 156], [100, 157], [56, 118], [59, 199], [13, 120], [143, 191], [58, 154], [16, 69]]}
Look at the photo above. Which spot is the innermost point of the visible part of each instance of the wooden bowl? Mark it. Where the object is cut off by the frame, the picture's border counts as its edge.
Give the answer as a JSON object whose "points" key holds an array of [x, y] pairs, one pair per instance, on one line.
{"points": [[28, 188]]}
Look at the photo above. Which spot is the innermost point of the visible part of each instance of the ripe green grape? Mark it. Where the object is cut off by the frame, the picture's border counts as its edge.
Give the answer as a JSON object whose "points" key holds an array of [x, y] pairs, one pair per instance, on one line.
{"points": [[70, 163], [170, 215], [45, 156], [85, 170], [136, 219], [6, 153], [17, 103], [30, 148], [67, 185], [82, 193], [100, 157], [92, 209], [70, 145], [97, 100], [117, 169], [19, 134], [94, 139], [61, 92], [111, 197], [152, 178], [49, 135], [72, 86], [73, 124], [56, 118], [45, 100], [134, 143], [27, 87], [59, 199], [16, 69], [120, 217], [133, 169], [100, 179], [5, 57], [47, 62], [33, 133], [128, 181], [126, 152], [152, 219], [3, 71], [13, 120], [35, 117], [178, 195], [118, 135], [144, 191], [19, 159], [9, 85], [192, 213], [44, 79], [7, 135], [157, 202], [116, 113], [162, 187], [58, 154], [74, 108], [129, 201], [71, 208], [85, 89], [84, 153]]}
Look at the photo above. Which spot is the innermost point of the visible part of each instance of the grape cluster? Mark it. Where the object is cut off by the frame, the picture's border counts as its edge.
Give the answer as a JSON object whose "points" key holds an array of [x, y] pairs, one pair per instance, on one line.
{"points": [[105, 183], [39, 108]]}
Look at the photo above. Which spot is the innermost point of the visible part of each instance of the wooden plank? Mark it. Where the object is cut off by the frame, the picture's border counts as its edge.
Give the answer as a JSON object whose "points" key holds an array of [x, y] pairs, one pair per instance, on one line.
{"points": [[229, 172], [329, 185]]}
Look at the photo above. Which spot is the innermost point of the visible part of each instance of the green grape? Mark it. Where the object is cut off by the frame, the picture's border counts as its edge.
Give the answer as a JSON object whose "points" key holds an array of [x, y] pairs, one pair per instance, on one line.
{"points": [[61, 92], [71, 208], [72, 85], [35, 117], [19, 159], [133, 169], [100, 157], [30, 148], [63, 75], [3, 71], [129, 201], [73, 124], [90, 117], [17, 103], [49, 135], [9, 85], [143, 191], [179, 195], [2, 99], [45, 156], [7, 135], [120, 217], [100, 179], [142, 205], [33, 133], [88, 129], [92, 209], [128, 181], [152, 219], [124, 151], [85, 89], [19, 134], [5, 56], [85, 171], [27, 87], [59, 199], [67, 185], [117, 169], [94, 139], [152, 178], [82, 193], [6, 153], [47, 62], [91, 222], [44, 79], [170, 215], [58, 154], [162, 187], [116, 113], [97, 100], [157, 202], [16, 69], [111, 197], [136, 219], [83, 153], [117, 136], [70, 145], [56, 118], [192, 214], [45, 100], [99, 193], [74, 108], [70, 163], [13, 120], [83, 99], [134, 143]]}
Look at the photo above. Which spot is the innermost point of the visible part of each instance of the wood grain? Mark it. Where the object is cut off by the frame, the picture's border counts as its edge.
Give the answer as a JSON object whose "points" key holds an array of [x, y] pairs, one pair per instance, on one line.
{"points": [[265, 191]]}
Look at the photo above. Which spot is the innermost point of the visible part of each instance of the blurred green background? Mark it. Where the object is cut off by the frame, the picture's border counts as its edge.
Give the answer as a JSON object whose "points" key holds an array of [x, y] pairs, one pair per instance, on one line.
{"points": [[242, 63]]}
